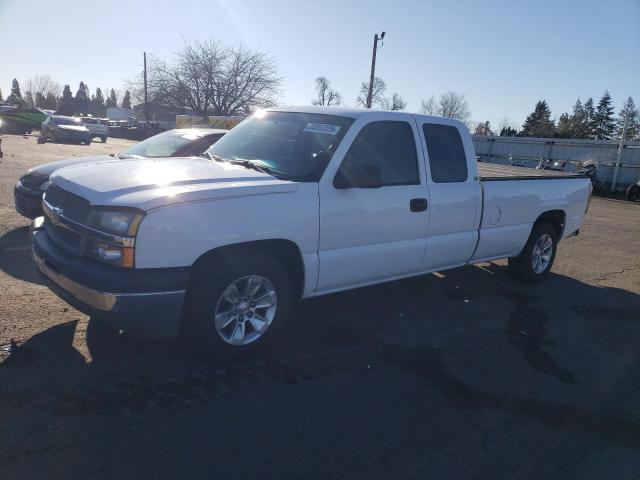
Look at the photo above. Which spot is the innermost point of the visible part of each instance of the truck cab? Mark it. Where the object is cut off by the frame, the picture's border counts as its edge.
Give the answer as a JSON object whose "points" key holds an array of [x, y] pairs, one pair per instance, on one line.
{"points": [[292, 203]]}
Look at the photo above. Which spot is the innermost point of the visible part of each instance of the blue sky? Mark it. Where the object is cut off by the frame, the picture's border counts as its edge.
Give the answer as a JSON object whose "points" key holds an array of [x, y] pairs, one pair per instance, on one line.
{"points": [[503, 55]]}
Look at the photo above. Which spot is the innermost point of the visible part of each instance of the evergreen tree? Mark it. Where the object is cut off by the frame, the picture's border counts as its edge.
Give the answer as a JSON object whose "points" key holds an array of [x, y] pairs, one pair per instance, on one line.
{"points": [[126, 100], [66, 105], [98, 108], [633, 125], [15, 97], [50, 101], [589, 118], [565, 126], [40, 100], [508, 132], [82, 100], [539, 123], [604, 122], [112, 101], [578, 120], [28, 99]]}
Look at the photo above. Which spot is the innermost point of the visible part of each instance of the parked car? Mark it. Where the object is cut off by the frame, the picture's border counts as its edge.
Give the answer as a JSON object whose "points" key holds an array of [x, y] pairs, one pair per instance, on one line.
{"points": [[20, 120], [99, 127], [174, 143], [59, 128], [292, 203]]}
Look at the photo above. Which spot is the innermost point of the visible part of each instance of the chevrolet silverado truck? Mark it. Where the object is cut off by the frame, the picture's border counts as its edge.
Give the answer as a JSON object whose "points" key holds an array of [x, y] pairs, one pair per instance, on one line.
{"points": [[290, 204]]}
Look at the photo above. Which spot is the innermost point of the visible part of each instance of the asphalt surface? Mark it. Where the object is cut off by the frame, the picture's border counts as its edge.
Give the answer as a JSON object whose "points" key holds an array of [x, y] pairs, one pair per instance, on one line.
{"points": [[464, 374]]}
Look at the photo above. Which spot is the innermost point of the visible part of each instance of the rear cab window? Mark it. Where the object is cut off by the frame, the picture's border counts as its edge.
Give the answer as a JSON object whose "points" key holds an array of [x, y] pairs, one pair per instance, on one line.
{"points": [[447, 158]]}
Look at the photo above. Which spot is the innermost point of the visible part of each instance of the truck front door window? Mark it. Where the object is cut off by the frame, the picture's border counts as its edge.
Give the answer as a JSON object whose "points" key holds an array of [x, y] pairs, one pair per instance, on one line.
{"points": [[391, 147]]}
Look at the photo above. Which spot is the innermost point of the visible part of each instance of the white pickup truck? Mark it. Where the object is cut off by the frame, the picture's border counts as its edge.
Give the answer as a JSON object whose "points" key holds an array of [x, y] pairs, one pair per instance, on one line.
{"points": [[292, 203]]}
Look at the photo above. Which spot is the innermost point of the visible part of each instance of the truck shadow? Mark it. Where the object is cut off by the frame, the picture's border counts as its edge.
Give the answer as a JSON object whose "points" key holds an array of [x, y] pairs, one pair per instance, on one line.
{"points": [[397, 326], [15, 256]]}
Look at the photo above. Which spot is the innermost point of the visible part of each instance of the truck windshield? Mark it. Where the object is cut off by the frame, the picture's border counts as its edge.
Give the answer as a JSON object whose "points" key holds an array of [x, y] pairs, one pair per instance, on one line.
{"points": [[297, 145]]}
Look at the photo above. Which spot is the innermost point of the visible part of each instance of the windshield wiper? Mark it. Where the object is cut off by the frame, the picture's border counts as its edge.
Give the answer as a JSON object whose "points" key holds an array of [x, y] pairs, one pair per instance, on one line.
{"points": [[253, 166], [211, 156]]}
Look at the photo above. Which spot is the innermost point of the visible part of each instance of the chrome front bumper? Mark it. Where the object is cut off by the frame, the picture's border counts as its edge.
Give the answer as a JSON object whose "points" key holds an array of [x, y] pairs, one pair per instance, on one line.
{"points": [[146, 314]]}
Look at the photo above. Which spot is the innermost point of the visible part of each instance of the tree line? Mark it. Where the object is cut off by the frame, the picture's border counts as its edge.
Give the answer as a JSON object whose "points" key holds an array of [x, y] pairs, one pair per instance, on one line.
{"points": [[210, 78], [43, 92], [586, 120]]}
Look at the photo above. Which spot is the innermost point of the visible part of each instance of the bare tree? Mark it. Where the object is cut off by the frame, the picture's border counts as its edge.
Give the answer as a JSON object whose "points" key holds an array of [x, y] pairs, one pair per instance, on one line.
{"points": [[326, 95], [38, 87], [211, 79], [395, 103], [377, 96], [483, 128], [450, 104]]}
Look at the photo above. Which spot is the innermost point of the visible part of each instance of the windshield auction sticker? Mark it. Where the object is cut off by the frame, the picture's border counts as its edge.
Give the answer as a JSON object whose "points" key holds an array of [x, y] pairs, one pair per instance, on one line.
{"points": [[323, 128]]}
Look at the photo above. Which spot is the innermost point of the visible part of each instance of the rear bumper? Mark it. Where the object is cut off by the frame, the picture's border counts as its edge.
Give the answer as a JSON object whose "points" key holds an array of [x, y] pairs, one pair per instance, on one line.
{"points": [[143, 310], [28, 202]]}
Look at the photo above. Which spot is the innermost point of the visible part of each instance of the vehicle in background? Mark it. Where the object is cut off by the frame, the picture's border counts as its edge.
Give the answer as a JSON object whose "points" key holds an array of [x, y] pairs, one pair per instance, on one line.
{"points": [[633, 192], [118, 128], [292, 203], [59, 128], [141, 130], [99, 127], [21, 121], [173, 143]]}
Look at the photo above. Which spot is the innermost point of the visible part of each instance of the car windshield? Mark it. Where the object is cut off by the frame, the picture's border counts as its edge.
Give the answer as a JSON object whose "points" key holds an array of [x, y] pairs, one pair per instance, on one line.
{"points": [[164, 144], [67, 121], [296, 145]]}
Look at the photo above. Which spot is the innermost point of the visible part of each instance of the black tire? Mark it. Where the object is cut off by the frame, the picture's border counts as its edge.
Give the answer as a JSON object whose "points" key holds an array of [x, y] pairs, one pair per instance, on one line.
{"points": [[211, 279], [521, 267], [103, 139], [633, 192]]}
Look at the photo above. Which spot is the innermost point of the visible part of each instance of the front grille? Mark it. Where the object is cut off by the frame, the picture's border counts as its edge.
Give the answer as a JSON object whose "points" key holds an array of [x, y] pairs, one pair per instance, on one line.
{"points": [[74, 208]]}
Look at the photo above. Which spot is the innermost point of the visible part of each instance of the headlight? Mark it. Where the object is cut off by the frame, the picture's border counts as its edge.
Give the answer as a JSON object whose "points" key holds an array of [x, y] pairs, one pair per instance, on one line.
{"points": [[118, 226], [117, 222], [112, 254]]}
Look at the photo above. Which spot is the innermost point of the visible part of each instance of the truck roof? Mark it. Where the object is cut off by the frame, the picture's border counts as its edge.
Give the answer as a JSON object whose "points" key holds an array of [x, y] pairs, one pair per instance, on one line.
{"points": [[358, 112]]}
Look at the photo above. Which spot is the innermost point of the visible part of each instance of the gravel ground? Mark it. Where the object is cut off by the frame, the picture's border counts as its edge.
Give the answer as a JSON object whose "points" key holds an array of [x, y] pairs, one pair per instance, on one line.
{"points": [[461, 375]]}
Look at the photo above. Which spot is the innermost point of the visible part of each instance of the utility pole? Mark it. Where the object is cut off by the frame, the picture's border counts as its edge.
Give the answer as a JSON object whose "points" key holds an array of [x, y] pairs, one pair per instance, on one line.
{"points": [[619, 156], [373, 67], [146, 94]]}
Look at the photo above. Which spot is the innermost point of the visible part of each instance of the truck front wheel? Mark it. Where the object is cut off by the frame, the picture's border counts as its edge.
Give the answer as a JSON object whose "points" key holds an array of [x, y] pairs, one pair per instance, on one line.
{"points": [[536, 259], [237, 303]]}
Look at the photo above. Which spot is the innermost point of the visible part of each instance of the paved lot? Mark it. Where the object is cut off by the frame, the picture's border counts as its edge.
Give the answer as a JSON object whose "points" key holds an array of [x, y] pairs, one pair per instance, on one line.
{"points": [[460, 375]]}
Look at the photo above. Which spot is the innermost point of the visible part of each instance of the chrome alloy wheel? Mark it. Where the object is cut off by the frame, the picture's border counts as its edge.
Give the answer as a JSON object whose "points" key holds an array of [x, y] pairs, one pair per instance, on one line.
{"points": [[541, 255], [245, 310]]}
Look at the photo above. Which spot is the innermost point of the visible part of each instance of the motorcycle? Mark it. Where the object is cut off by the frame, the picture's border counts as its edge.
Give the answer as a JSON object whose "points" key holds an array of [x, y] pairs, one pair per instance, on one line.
{"points": [[590, 170], [548, 164]]}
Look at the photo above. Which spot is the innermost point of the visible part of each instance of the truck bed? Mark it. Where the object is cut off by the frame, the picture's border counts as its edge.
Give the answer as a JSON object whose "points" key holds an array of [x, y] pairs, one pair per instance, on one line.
{"points": [[494, 172]]}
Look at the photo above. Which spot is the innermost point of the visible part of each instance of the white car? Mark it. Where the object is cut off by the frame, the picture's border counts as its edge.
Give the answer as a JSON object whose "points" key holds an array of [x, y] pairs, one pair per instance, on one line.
{"points": [[291, 203], [99, 127]]}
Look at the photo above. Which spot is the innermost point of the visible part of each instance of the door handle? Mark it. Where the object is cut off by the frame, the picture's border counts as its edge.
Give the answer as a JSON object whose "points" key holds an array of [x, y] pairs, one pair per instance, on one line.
{"points": [[418, 204]]}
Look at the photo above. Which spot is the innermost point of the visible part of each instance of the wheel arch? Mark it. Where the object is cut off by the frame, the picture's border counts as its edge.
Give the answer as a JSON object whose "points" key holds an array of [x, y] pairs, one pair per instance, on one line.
{"points": [[286, 252], [557, 218]]}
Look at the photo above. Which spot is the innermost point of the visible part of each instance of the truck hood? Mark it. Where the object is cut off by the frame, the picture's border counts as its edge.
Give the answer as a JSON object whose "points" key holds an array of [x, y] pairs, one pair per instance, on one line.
{"points": [[153, 183]]}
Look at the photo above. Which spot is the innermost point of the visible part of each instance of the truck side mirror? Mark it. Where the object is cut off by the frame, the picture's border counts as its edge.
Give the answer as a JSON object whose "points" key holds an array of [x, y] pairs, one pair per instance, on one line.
{"points": [[358, 175]]}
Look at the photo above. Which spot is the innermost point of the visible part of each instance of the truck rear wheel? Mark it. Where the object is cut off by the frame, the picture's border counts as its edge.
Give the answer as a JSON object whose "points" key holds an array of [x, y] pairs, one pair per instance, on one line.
{"points": [[237, 303], [536, 259]]}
